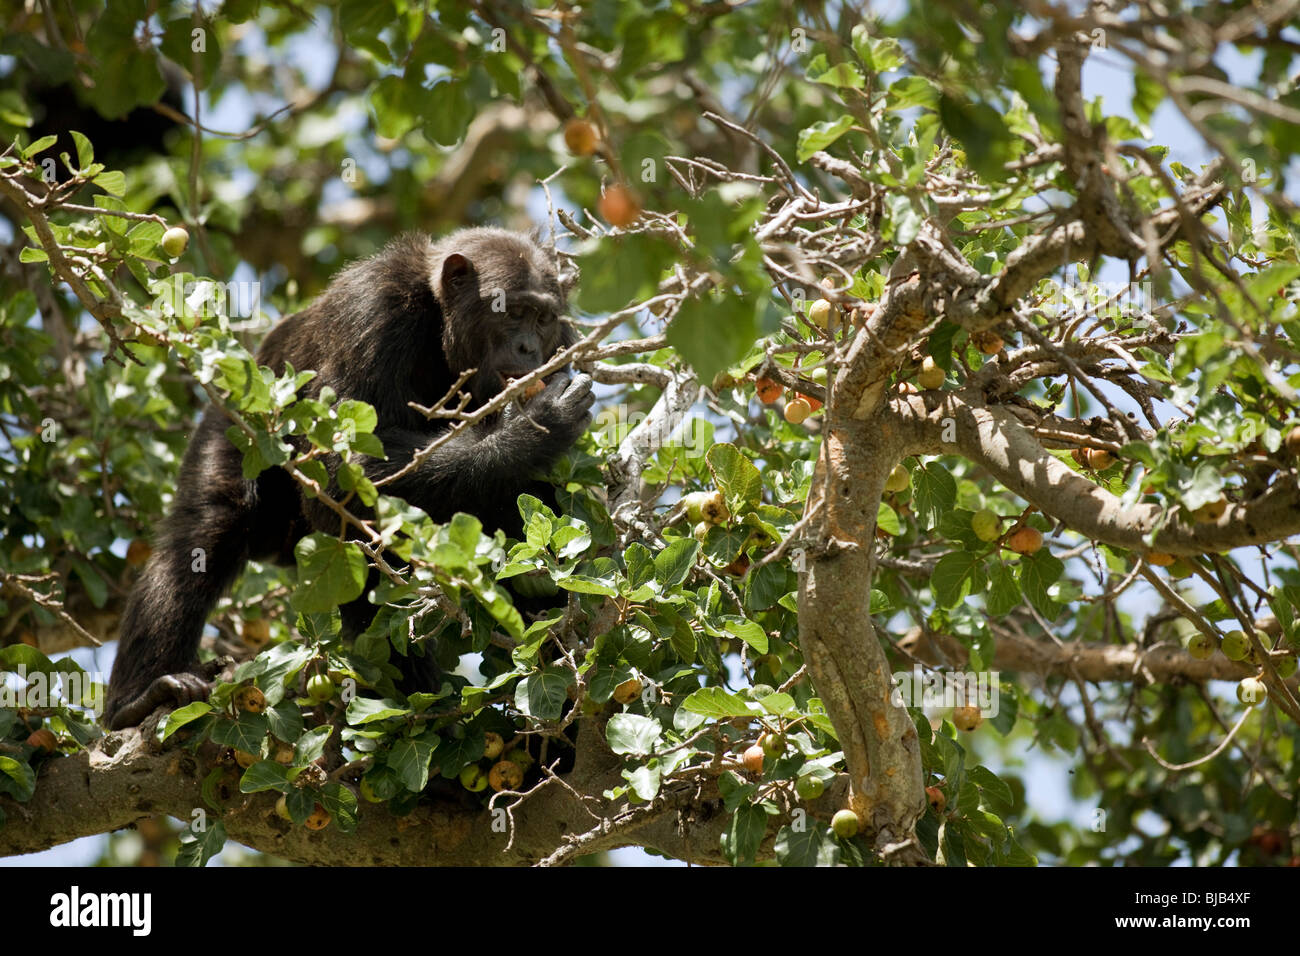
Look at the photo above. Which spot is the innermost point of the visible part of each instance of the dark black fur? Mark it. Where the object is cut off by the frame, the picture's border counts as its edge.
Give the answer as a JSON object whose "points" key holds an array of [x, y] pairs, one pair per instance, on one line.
{"points": [[395, 328]]}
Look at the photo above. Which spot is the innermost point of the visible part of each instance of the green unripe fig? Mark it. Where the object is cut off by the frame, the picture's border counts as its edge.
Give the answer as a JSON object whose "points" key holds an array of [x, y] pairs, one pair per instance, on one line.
{"points": [[899, 479], [1235, 647], [707, 506], [1251, 691], [1200, 646], [845, 824], [986, 525], [931, 375], [773, 745], [473, 779], [822, 314], [174, 240], [492, 745], [320, 688], [809, 787]]}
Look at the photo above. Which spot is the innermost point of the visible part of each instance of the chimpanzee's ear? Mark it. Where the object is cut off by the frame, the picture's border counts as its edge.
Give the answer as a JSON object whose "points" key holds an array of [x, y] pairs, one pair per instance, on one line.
{"points": [[453, 270]]}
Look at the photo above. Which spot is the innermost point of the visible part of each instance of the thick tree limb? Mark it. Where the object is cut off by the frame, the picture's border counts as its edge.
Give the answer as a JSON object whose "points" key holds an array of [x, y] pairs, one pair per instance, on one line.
{"points": [[995, 439], [127, 776]]}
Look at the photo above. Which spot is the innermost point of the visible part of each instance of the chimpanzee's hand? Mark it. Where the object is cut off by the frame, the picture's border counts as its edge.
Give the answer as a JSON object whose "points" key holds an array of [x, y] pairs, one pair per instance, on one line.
{"points": [[563, 409]]}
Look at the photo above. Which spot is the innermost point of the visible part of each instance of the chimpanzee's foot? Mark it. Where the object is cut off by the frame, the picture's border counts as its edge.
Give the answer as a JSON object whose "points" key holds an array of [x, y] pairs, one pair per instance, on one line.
{"points": [[174, 690]]}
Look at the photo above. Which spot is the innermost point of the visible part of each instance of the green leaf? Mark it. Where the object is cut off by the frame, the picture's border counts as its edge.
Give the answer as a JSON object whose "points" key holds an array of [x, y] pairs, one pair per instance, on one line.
{"points": [[199, 847], [820, 135], [409, 759], [951, 577], [1004, 592], [983, 131], [632, 734], [17, 779], [1038, 573], [675, 562], [542, 695], [713, 331], [41, 145], [744, 835], [311, 745], [640, 565], [330, 573], [341, 804], [812, 847], [736, 476], [718, 703], [934, 493], [246, 733], [185, 715], [85, 152], [265, 775], [366, 710], [749, 632], [112, 181]]}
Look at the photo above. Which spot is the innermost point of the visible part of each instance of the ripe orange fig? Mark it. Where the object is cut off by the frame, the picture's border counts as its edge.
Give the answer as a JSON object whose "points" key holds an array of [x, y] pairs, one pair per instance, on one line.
{"points": [[1160, 559], [255, 631], [505, 775], [43, 739], [738, 568], [531, 392], [768, 390], [967, 717], [1026, 540], [137, 552], [1211, 511], [628, 691], [319, 819], [1099, 459], [813, 403], [937, 799], [797, 411], [250, 699], [753, 759], [618, 206], [580, 137], [1080, 456], [988, 342]]}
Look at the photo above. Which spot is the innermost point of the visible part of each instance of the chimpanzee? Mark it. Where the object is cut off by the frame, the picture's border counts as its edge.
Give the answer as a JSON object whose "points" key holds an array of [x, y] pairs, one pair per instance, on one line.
{"points": [[396, 328]]}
